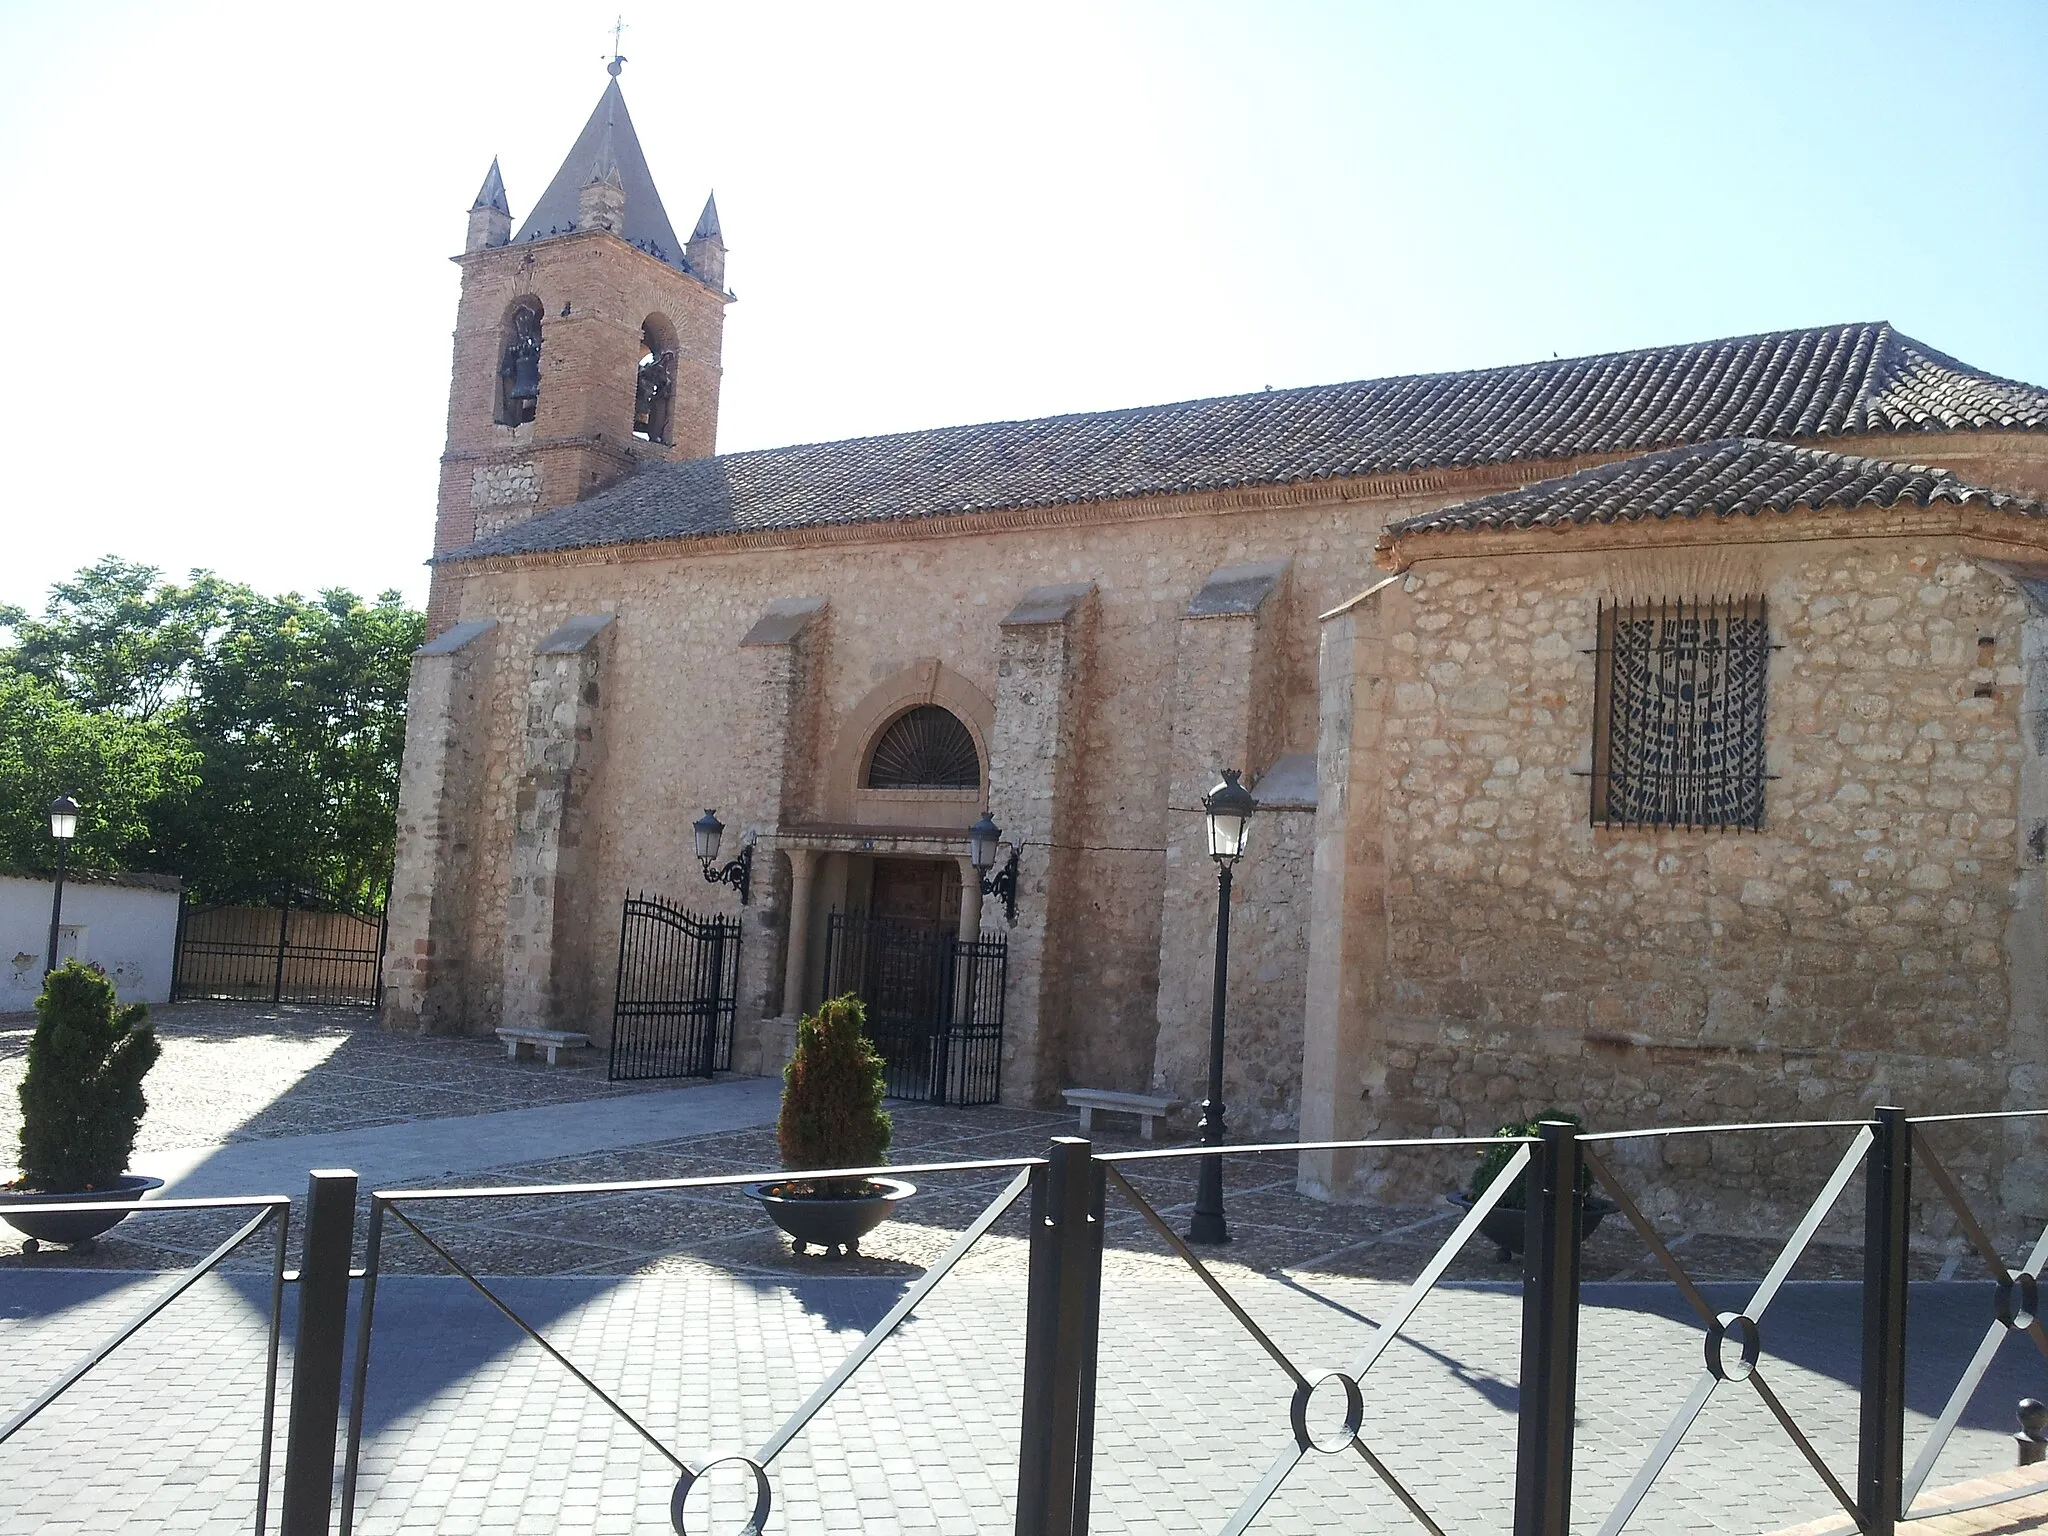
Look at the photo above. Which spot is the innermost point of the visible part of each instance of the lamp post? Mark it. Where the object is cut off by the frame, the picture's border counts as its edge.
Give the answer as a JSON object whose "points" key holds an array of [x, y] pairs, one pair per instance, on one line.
{"points": [[983, 840], [739, 874], [1229, 808], [63, 827]]}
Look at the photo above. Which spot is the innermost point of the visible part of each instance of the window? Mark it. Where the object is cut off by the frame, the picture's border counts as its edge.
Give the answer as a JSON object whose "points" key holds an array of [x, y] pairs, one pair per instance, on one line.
{"points": [[927, 748], [519, 366], [1678, 714]]}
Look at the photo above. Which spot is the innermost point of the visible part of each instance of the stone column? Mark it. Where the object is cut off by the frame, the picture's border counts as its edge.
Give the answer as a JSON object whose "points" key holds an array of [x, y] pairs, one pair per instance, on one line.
{"points": [[780, 658], [970, 901], [561, 750], [1347, 958], [1040, 675], [1227, 688], [425, 945], [796, 968]]}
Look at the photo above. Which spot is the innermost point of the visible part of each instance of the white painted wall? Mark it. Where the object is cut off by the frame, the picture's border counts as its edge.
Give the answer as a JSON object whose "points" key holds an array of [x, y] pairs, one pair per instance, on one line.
{"points": [[129, 931]]}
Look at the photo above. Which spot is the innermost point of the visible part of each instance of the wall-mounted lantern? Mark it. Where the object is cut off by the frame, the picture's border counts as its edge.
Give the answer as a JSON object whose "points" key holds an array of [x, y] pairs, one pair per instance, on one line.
{"points": [[984, 841], [739, 874]]}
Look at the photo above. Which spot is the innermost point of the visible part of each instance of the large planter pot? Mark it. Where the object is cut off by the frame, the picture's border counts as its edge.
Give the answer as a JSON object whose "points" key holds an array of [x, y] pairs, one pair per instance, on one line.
{"points": [[835, 1224], [73, 1227], [1506, 1228]]}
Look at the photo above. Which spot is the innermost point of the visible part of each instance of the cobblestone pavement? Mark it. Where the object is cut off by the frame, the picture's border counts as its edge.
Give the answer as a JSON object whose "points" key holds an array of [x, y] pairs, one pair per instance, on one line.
{"points": [[249, 1071], [472, 1428], [690, 1309]]}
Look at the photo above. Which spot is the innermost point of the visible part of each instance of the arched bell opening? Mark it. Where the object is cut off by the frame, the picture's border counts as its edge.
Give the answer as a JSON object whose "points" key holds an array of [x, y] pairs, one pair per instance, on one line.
{"points": [[518, 396], [654, 383]]}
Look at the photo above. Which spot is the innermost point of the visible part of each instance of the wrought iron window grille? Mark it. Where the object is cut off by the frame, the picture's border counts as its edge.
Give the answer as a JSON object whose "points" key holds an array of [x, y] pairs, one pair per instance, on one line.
{"points": [[1679, 714]]}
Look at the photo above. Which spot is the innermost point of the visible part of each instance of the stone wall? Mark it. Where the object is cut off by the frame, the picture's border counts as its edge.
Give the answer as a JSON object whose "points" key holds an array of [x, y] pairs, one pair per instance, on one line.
{"points": [[1863, 948], [684, 726]]}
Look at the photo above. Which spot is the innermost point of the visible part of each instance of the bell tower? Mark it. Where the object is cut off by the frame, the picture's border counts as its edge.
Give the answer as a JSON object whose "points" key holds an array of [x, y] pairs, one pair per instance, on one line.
{"points": [[586, 344]]}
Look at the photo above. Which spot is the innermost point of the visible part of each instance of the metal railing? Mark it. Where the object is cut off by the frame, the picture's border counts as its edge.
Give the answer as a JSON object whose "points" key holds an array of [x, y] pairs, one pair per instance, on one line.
{"points": [[1070, 1190], [271, 1210]]}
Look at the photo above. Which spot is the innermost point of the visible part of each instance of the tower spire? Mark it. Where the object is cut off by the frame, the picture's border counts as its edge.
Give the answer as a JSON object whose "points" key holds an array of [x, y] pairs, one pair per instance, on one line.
{"points": [[607, 144], [490, 216], [706, 250]]}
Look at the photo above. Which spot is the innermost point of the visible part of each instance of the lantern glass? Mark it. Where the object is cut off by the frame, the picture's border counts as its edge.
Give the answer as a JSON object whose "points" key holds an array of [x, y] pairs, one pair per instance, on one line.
{"points": [[982, 838], [1229, 807], [708, 829], [63, 818]]}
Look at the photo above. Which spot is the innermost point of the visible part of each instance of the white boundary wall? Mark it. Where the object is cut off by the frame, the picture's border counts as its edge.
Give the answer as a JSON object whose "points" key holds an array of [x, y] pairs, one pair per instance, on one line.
{"points": [[127, 925]]}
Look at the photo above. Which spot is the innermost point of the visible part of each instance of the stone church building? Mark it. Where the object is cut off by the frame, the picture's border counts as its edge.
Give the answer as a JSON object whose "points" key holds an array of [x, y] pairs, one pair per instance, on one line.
{"points": [[1656, 735]]}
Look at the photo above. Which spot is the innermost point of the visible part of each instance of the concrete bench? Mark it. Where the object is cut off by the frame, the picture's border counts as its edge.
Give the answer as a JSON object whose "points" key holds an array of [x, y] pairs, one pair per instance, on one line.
{"points": [[553, 1041], [1143, 1105]]}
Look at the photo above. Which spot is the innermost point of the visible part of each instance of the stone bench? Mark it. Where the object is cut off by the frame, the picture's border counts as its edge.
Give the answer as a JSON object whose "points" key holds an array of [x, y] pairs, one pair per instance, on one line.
{"points": [[553, 1041], [1143, 1105]]}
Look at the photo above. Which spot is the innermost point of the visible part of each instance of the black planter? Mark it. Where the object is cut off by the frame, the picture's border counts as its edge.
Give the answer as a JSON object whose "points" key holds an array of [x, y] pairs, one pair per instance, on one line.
{"points": [[1506, 1228], [73, 1227], [837, 1222]]}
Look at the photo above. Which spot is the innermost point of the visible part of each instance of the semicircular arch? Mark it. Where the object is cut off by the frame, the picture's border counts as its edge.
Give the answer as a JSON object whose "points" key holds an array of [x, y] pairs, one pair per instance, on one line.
{"points": [[922, 684]]}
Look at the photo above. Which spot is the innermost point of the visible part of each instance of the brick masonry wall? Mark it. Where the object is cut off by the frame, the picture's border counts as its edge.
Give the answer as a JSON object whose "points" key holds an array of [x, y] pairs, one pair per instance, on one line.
{"points": [[1873, 944], [595, 293]]}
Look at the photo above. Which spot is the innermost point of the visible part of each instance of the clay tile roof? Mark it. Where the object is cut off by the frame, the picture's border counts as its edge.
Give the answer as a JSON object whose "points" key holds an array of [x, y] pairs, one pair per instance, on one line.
{"points": [[1831, 381], [1739, 475]]}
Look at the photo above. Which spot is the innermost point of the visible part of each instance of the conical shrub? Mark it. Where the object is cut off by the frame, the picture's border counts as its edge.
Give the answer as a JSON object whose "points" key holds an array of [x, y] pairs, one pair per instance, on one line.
{"points": [[81, 1100], [832, 1094]]}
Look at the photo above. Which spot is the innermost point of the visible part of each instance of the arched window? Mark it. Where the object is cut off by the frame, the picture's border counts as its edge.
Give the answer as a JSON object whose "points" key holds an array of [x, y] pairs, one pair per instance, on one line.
{"points": [[519, 366], [927, 748], [655, 385]]}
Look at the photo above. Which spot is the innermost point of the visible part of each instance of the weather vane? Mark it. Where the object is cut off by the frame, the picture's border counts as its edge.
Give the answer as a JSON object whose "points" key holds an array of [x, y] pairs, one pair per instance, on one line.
{"points": [[618, 59]]}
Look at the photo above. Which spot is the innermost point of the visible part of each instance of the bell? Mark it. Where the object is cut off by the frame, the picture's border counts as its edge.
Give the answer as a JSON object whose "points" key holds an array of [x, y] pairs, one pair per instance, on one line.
{"points": [[525, 372]]}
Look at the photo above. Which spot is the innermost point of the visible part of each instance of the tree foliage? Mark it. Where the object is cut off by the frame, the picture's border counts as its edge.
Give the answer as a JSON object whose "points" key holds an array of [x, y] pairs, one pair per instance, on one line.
{"points": [[832, 1093], [248, 743], [81, 1098]]}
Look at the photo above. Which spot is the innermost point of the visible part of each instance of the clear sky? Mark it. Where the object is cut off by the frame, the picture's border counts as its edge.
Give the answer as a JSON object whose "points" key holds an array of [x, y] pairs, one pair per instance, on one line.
{"points": [[229, 302]]}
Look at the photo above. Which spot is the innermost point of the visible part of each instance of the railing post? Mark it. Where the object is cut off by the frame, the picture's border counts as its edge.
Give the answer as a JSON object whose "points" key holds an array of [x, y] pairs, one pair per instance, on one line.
{"points": [[1887, 1221], [1063, 1312], [330, 1230], [284, 922], [1550, 1333]]}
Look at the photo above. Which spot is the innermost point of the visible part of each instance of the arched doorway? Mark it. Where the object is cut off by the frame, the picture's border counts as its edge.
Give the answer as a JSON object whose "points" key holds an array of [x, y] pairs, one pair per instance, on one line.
{"points": [[902, 923]]}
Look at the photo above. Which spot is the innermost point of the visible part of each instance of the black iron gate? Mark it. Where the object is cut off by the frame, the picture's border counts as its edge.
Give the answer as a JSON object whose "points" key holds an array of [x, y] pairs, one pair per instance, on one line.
{"points": [[281, 954], [678, 981], [934, 1004]]}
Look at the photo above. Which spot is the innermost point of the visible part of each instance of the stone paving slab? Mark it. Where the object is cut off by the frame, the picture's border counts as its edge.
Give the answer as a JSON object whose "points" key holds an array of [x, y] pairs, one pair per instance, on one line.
{"points": [[471, 1427]]}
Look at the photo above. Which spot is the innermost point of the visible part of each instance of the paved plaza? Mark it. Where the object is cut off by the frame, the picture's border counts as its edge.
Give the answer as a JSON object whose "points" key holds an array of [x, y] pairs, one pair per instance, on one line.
{"points": [[694, 1314]]}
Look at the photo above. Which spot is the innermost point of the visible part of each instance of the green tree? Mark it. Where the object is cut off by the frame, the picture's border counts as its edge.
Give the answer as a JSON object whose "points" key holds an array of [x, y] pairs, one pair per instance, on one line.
{"points": [[298, 712], [248, 743], [833, 1087], [81, 1099], [116, 638], [129, 772]]}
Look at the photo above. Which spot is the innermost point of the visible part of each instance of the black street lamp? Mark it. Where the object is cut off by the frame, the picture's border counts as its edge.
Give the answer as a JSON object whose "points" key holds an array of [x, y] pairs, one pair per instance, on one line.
{"points": [[63, 827], [984, 838], [739, 874], [1229, 808]]}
